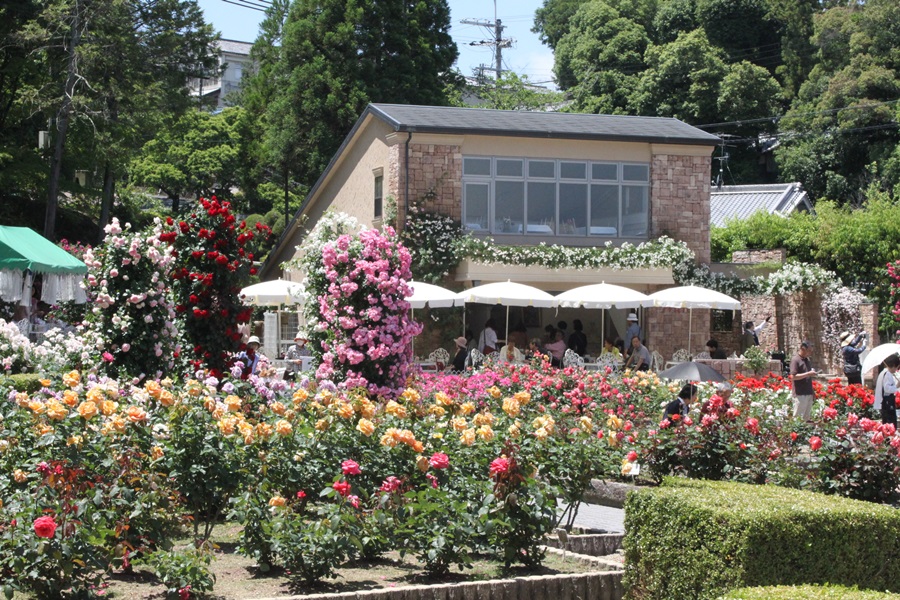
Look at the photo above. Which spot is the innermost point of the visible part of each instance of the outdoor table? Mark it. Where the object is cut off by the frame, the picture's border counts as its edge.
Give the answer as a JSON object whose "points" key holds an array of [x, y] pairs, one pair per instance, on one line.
{"points": [[729, 367], [427, 365]]}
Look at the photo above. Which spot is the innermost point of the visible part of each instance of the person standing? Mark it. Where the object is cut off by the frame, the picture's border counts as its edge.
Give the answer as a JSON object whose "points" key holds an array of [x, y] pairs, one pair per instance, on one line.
{"points": [[633, 329], [750, 336], [578, 340], [850, 351], [886, 390], [487, 341], [802, 375]]}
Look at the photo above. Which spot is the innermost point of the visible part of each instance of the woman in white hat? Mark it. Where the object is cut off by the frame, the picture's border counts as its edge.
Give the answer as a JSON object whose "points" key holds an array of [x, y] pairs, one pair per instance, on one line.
{"points": [[633, 329], [850, 351], [249, 357], [294, 355]]}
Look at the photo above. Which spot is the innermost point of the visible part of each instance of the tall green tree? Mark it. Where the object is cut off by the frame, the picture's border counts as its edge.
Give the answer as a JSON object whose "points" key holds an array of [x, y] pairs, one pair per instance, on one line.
{"points": [[338, 55]]}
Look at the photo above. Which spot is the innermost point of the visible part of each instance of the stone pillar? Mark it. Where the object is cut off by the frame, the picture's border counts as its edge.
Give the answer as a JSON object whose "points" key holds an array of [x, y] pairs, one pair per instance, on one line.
{"points": [[868, 312], [679, 200], [666, 330]]}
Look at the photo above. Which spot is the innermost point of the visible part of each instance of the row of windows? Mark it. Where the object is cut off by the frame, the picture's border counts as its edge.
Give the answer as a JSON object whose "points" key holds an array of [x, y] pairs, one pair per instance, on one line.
{"points": [[544, 197]]}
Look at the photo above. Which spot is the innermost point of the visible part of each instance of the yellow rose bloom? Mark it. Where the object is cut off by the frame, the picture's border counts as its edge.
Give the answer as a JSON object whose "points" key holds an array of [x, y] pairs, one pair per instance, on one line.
{"points": [[88, 410], [56, 411], [486, 433], [443, 399], [485, 418], [522, 397], [136, 414], [95, 395], [494, 391], [467, 408], [300, 396], [226, 426], [398, 410], [278, 408], [458, 424], [366, 427], [108, 407], [467, 437], [277, 501], [283, 427], [321, 425], [44, 429], [514, 430], [345, 410], [233, 403], [586, 424], [70, 398], [367, 408], [541, 434], [153, 388], [166, 398], [511, 407], [219, 411], [411, 395], [244, 427], [422, 463], [264, 430], [156, 453], [611, 438], [118, 423], [614, 422], [37, 407], [19, 476], [22, 399], [417, 446], [74, 440], [72, 378], [45, 382], [437, 410]]}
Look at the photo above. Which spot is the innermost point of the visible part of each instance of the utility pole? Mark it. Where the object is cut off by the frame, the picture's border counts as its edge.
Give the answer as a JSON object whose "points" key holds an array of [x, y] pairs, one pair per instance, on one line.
{"points": [[497, 41]]}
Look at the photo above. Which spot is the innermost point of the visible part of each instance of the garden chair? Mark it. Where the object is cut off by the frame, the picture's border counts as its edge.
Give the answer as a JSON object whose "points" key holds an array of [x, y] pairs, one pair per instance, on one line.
{"points": [[681, 356], [608, 360], [24, 327], [572, 359], [703, 355], [475, 359], [440, 357], [656, 361]]}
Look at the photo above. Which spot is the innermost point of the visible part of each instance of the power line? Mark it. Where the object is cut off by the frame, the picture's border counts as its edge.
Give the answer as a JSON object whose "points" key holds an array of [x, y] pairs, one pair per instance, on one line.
{"points": [[262, 10], [776, 118]]}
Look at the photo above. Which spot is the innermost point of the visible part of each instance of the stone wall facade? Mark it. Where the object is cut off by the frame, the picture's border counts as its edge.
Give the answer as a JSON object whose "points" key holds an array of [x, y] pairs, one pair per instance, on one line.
{"points": [[679, 200], [435, 178], [666, 330], [759, 256]]}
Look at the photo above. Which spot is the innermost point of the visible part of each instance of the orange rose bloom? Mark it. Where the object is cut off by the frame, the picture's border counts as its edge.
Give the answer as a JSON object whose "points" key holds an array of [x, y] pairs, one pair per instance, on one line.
{"points": [[72, 378], [156, 452], [366, 427], [56, 411], [88, 410], [136, 414], [70, 398], [166, 398], [283, 427]]}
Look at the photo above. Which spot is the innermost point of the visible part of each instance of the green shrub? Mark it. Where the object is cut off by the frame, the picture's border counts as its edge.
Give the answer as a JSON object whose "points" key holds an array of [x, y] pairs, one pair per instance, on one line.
{"points": [[805, 592], [699, 539], [22, 382]]}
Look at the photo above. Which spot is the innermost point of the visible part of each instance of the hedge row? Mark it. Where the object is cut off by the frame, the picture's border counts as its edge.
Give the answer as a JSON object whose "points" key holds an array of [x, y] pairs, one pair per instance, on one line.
{"points": [[700, 539], [806, 592], [21, 382]]}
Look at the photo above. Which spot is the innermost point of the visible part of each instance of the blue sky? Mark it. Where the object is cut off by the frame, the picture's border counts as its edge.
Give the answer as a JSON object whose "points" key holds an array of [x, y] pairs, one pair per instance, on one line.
{"points": [[527, 56]]}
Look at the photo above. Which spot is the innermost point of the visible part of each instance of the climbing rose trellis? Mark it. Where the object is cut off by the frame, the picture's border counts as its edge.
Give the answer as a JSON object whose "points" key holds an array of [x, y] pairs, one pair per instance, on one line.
{"points": [[360, 319]]}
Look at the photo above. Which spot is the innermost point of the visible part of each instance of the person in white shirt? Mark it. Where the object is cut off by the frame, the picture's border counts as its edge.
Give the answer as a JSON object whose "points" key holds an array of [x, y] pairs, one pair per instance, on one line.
{"points": [[510, 354], [886, 390], [487, 341]]}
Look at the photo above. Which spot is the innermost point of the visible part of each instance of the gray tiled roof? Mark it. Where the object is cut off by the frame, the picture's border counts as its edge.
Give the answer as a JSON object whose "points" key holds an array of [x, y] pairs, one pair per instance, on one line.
{"points": [[235, 47], [741, 201], [480, 121]]}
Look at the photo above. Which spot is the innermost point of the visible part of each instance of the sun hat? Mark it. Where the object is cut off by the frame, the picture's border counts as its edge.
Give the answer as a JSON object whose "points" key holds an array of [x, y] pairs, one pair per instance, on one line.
{"points": [[253, 340], [461, 342], [632, 317], [846, 338], [301, 335]]}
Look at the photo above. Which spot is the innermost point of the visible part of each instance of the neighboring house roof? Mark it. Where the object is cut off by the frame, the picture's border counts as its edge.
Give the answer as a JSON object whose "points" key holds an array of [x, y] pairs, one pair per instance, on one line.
{"points": [[740, 201], [482, 121], [235, 47]]}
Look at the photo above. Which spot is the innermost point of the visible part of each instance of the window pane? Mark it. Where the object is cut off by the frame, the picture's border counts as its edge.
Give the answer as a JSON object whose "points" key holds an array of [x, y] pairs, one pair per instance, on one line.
{"points": [[607, 171], [379, 184], [476, 199], [604, 210], [573, 209], [509, 168], [634, 210], [509, 206], [572, 170], [541, 168], [636, 172], [477, 166], [541, 208]]}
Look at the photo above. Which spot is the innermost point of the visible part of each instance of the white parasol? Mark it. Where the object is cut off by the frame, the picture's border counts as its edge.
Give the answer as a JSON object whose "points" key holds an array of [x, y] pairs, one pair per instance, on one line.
{"points": [[877, 355], [273, 293]]}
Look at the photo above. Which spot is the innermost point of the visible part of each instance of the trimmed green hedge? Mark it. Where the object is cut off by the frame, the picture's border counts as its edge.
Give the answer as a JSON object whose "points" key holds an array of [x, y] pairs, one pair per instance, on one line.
{"points": [[700, 539], [21, 382], [805, 592]]}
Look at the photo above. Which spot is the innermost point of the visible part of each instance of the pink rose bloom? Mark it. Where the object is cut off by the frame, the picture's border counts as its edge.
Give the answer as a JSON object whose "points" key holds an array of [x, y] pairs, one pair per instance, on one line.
{"points": [[498, 466], [350, 467], [354, 501], [108, 357], [391, 484], [829, 413], [439, 460], [45, 527]]}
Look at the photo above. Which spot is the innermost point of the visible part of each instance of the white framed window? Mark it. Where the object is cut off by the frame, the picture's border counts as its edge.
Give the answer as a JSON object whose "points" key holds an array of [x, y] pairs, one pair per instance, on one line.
{"points": [[553, 197]]}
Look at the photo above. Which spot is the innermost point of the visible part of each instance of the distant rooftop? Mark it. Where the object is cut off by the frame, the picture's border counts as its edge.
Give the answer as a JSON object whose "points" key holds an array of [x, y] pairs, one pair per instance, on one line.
{"points": [[235, 47], [481, 121], [740, 201]]}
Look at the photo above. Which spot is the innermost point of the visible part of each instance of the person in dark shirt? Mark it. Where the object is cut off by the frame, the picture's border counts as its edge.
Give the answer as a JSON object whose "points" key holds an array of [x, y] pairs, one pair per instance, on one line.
{"points": [[459, 361], [712, 346], [578, 340], [802, 375], [682, 404]]}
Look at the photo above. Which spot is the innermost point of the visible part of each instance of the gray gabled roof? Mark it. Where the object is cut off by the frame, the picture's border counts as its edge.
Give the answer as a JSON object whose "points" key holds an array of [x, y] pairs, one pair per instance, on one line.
{"points": [[235, 47], [741, 201], [576, 126]]}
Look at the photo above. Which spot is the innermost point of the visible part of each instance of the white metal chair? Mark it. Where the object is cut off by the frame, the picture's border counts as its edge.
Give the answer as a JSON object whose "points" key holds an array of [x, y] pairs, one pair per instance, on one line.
{"points": [[24, 327], [572, 359], [656, 361], [475, 359], [702, 356], [440, 357], [681, 355], [608, 360]]}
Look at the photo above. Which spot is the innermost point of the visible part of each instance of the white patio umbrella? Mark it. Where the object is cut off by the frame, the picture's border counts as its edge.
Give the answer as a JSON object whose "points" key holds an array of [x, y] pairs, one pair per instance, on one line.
{"points": [[877, 355], [507, 293], [273, 293], [603, 296], [426, 294], [691, 297]]}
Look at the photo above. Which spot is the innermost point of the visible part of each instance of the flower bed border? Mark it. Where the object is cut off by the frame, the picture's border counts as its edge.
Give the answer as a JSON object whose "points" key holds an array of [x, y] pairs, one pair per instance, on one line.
{"points": [[603, 584]]}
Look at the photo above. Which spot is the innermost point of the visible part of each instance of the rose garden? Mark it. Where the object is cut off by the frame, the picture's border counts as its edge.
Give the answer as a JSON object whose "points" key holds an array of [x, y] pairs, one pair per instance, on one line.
{"points": [[118, 438]]}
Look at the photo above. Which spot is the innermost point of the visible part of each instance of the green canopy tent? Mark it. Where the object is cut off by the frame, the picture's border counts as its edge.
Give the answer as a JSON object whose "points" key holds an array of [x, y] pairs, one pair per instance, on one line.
{"points": [[23, 253]]}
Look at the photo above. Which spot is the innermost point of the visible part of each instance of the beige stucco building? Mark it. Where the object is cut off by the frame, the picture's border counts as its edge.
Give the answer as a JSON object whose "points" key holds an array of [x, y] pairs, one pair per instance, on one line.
{"points": [[525, 178]]}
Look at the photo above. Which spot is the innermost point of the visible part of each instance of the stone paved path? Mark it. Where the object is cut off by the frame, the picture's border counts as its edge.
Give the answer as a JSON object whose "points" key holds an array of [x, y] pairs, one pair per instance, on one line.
{"points": [[595, 516]]}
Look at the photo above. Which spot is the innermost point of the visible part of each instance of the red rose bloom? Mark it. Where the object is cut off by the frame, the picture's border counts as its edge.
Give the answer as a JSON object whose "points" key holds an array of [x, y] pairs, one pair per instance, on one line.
{"points": [[350, 467], [45, 527], [815, 442], [342, 488], [498, 466]]}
